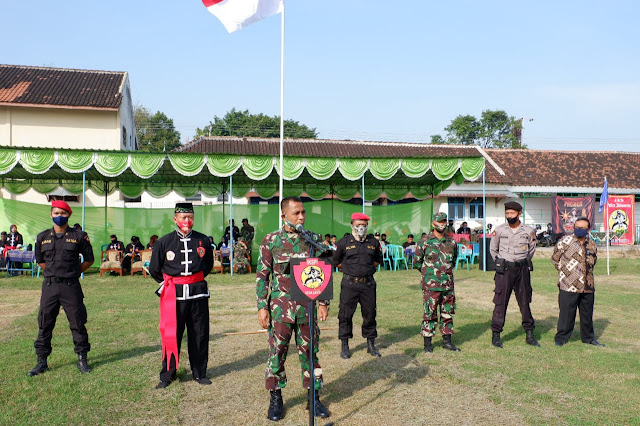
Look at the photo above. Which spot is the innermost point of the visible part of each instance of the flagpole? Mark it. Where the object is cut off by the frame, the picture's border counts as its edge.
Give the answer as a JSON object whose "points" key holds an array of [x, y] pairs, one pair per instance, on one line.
{"points": [[606, 218], [281, 107]]}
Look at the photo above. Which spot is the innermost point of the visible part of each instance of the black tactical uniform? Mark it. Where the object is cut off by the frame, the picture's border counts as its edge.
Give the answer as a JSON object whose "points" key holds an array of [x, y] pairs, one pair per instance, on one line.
{"points": [[358, 259], [61, 287]]}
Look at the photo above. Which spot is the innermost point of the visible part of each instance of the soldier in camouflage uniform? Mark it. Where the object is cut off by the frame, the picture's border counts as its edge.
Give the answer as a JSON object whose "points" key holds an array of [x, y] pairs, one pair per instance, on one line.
{"points": [[282, 316], [241, 256], [436, 257]]}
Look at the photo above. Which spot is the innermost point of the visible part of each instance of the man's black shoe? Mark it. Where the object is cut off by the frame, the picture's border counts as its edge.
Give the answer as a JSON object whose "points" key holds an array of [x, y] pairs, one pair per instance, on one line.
{"points": [[41, 366], [594, 342], [321, 410], [371, 348], [345, 353], [83, 366], [275, 406], [559, 343], [447, 343], [428, 347], [162, 385], [495, 340], [531, 340], [203, 381]]}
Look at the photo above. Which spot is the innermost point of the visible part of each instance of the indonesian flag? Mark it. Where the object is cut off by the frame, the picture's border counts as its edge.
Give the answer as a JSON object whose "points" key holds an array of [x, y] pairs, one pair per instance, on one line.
{"points": [[237, 14]]}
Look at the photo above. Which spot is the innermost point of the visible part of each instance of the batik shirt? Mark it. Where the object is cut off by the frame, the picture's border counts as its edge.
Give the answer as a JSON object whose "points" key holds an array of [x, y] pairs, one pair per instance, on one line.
{"points": [[575, 261]]}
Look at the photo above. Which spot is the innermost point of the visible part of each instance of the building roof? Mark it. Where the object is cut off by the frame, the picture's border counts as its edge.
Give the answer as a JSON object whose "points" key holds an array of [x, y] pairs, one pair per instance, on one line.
{"points": [[571, 169], [325, 148], [61, 88]]}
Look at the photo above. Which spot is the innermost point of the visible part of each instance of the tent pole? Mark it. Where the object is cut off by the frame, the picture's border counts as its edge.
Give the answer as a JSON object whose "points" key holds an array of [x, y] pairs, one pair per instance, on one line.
{"points": [[484, 220], [281, 183], [363, 193], [84, 192], [231, 224], [333, 230], [524, 207], [105, 210]]}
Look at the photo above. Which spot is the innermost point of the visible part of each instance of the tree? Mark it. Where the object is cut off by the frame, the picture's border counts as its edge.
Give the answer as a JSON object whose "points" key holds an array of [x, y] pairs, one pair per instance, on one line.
{"points": [[155, 132], [245, 124], [495, 129]]}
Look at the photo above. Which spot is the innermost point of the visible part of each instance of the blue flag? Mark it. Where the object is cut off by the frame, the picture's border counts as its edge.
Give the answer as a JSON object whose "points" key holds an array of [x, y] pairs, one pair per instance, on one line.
{"points": [[604, 197]]}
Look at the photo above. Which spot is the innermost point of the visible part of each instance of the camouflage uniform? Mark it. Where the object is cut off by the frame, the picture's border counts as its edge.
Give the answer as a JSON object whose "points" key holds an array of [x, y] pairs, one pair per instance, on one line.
{"points": [[437, 258], [241, 258], [273, 284]]}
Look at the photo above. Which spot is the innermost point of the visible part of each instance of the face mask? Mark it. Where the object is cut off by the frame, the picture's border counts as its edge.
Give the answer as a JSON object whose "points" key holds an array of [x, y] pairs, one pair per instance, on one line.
{"points": [[60, 220], [512, 220], [440, 228], [580, 233], [185, 226], [288, 222], [361, 230]]}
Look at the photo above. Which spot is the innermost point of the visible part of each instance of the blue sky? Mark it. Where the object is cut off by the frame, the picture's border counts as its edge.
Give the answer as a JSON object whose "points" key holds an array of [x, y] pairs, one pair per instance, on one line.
{"points": [[355, 69]]}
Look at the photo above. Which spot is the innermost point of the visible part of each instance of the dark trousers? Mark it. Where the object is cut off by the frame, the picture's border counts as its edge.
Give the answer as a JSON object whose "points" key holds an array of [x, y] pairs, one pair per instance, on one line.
{"points": [[568, 303], [518, 280], [352, 293], [195, 315], [69, 296]]}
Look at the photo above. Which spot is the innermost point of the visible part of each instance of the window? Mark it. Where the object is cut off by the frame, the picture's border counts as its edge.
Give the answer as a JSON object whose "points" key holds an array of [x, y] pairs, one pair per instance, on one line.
{"points": [[456, 208], [476, 209]]}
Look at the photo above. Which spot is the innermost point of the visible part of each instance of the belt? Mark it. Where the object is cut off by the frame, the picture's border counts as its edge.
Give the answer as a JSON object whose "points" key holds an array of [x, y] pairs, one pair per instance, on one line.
{"points": [[58, 280], [363, 280], [517, 263]]}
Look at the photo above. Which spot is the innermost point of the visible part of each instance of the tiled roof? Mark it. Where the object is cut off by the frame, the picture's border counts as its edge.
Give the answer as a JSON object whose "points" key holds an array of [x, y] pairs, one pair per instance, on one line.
{"points": [[528, 167], [39, 86], [324, 148]]}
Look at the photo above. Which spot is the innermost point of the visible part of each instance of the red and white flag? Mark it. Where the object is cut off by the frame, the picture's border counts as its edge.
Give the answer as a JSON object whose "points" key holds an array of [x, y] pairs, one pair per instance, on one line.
{"points": [[237, 14]]}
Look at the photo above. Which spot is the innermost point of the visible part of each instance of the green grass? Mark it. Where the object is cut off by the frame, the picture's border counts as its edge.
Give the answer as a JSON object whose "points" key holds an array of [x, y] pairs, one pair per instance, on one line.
{"points": [[575, 384]]}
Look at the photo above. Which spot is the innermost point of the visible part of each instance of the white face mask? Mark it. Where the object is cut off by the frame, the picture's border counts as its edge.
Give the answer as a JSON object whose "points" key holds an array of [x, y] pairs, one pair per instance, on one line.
{"points": [[361, 230]]}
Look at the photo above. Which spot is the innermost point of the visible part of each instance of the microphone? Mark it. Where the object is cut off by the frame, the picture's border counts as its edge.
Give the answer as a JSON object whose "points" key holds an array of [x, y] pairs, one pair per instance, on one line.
{"points": [[313, 238]]}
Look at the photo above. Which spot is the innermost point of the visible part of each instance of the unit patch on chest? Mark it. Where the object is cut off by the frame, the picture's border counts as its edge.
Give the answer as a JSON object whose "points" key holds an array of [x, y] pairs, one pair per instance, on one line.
{"points": [[170, 255]]}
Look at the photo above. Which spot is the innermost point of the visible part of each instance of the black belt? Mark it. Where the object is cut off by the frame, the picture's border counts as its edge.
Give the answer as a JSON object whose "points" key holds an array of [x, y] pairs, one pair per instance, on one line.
{"points": [[517, 264], [362, 280], [57, 280]]}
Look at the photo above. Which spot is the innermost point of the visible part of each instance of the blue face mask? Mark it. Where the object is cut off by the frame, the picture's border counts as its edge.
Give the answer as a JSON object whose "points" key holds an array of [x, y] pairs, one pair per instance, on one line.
{"points": [[60, 220], [580, 232]]}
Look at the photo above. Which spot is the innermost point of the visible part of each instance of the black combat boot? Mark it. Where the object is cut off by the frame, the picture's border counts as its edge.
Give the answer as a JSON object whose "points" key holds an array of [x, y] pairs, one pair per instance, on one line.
{"points": [[428, 347], [371, 348], [275, 406], [446, 343], [495, 340], [321, 410], [41, 366], [531, 340], [82, 363], [346, 353]]}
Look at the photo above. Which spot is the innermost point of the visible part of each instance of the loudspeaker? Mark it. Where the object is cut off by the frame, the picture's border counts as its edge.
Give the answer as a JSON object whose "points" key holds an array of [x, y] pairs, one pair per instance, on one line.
{"points": [[491, 266]]}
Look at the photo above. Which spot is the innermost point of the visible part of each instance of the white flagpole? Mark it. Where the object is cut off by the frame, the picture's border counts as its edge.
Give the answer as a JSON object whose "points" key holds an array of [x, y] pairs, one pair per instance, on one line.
{"points": [[281, 107], [606, 228]]}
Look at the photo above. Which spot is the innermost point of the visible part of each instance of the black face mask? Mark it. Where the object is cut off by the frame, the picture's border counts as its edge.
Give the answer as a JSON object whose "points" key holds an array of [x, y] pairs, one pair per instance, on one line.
{"points": [[512, 220]]}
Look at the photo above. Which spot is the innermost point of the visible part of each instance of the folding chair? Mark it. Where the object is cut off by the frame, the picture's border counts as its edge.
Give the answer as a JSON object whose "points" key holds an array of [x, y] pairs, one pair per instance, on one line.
{"points": [[397, 255], [464, 255]]}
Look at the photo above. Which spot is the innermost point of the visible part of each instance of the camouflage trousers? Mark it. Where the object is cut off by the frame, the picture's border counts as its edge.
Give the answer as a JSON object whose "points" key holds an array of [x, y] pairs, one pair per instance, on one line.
{"points": [[446, 300], [279, 336], [242, 265]]}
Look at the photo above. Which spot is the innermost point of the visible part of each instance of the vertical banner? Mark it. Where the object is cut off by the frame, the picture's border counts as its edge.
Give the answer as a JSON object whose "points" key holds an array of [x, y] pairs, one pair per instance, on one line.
{"points": [[565, 211], [620, 218]]}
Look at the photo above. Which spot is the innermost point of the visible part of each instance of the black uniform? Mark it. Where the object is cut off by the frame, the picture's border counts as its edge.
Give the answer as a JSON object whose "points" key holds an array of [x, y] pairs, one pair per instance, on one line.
{"points": [[117, 245], [358, 286], [61, 255], [130, 257], [177, 255]]}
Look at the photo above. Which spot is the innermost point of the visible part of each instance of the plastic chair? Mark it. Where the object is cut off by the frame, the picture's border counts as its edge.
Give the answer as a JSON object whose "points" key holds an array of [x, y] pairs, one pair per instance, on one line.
{"points": [[475, 253], [464, 255], [386, 258], [397, 255]]}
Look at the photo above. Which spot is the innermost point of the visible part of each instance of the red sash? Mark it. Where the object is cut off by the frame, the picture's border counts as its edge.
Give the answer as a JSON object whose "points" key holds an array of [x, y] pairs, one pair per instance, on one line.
{"points": [[6, 250], [168, 316]]}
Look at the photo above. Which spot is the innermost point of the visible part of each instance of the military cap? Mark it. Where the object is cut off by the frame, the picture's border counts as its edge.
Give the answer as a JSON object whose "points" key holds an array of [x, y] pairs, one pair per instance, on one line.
{"points": [[360, 216], [241, 239], [376, 234], [184, 208], [61, 205], [513, 205], [440, 216]]}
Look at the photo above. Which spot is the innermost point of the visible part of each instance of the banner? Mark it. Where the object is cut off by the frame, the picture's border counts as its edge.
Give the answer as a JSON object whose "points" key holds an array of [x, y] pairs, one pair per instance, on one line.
{"points": [[620, 213], [565, 211]]}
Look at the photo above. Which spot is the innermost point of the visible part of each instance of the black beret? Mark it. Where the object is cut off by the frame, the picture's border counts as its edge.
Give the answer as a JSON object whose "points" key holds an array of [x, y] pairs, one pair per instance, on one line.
{"points": [[512, 205]]}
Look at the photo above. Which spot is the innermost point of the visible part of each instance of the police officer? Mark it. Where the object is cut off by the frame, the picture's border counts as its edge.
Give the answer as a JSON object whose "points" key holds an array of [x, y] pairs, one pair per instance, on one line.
{"points": [[512, 248], [58, 253], [360, 254]]}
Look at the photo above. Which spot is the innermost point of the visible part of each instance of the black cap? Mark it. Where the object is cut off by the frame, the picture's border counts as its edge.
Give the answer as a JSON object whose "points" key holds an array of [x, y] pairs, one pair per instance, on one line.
{"points": [[113, 236], [377, 233], [184, 208], [512, 205], [245, 220]]}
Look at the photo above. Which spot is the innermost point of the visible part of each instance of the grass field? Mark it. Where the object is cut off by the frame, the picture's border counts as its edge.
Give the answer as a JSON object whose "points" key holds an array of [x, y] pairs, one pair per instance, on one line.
{"points": [[520, 384]]}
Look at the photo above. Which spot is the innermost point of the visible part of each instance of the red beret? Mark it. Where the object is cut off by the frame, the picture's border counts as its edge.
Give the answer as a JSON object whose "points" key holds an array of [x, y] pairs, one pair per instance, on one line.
{"points": [[61, 205], [360, 216]]}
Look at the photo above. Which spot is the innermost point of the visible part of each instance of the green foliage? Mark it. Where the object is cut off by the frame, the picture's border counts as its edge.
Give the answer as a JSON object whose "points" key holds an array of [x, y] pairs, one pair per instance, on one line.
{"points": [[494, 129], [155, 132], [245, 124]]}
